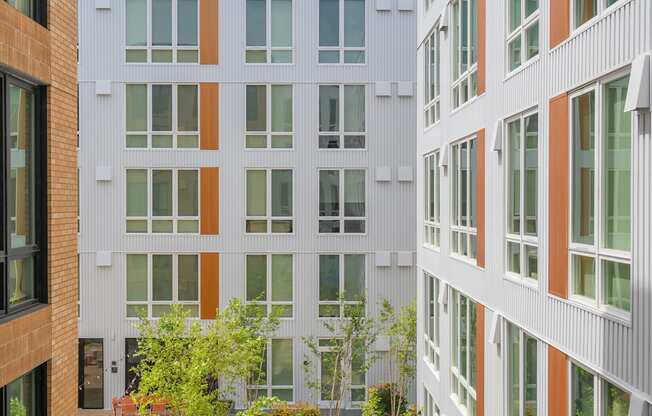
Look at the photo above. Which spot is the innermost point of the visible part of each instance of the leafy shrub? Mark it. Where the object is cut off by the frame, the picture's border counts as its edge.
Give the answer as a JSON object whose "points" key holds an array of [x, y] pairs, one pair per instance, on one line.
{"points": [[296, 409], [380, 401]]}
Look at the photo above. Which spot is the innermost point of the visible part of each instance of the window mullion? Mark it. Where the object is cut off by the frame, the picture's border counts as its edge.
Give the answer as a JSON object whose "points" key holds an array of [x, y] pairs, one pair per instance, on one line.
{"points": [[268, 30], [268, 282], [521, 372]]}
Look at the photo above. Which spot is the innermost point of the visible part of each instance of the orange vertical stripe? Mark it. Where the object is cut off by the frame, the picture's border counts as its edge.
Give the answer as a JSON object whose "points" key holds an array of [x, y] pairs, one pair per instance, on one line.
{"points": [[479, 356], [559, 21], [482, 46], [557, 382], [209, 36], [480, 197], [558, 193], [210, 201], [210, 116], [210, 285]]}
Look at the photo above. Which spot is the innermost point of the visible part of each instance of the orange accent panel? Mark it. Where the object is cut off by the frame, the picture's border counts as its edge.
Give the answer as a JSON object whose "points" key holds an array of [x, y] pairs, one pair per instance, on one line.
{"points": [[209, 36], [210, 285], [210, 116], [479, 356], [480, 197], [558, 193], [557, 382], [482, 46], [559, 21], [210, 201]]}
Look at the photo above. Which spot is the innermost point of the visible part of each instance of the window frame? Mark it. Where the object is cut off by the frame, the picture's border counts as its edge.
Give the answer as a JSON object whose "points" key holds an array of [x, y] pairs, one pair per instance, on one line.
{"points": [[268, 217], [268, 132], [430, 407], [341, 48], [467, 77], [459, 381], [40, 391], [269, 386], [526, 23], [39, 13], [455, 224], [522, 365], [599, 384], [268, 48], [602, 8], [341, 303], [433, 286], [432, 102], [341, 133], [268, 303], [432, 194], [342, 218]]}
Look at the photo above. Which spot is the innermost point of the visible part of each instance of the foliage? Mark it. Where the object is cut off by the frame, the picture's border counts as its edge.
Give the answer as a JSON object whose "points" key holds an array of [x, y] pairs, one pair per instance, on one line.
{"points": [[259, 407], [296, 409], [180, 363], [380, 401], [16, 407], [411, 411]]}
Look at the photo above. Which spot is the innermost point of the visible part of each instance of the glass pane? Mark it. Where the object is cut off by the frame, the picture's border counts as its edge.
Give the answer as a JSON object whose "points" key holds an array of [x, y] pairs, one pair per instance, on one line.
{"points": [[136, 311], [531, 6], [187, 22], [256, 193], [329, 193], [281, 23], [329, 362], [135, 141], [21, 396], [187, 56], [281, 142], [281, 277], [514, 257], [160, 310], [92, 390], [162, 193], [329, 57], [255, 142], [256, 226], [188, 189], [187, 142], [473, 160], [188, 277], [354, 193], [256, 23], [329, 109], [281, 57], [530, 361], [532, 36], [161, 22], [354, 57], [473, 46], [136, 56], [136, 193], [531, 263], [472, 345], [187, 108], [256, 57], [283, 394], [584, 11], [162, 277], [514, 176], [21, 281], [463, 336], [514, 14], [162, 56], [137, 226], [514, 354], [256, 108], [136, 22], [354, 23], [329, 22], [136, 107], [354, 108], [329, 277], [136, 277], [162, 107], [616, 401], [188, 226], [162, 141], [281, 193], [617, 160], [515, 53], [531, 174], [357, 365], [584, 276], [354, 277], [582, 392], [583, 168], [257, 278], [281, 108], [464, 36], [282, 374], [617, 283]]}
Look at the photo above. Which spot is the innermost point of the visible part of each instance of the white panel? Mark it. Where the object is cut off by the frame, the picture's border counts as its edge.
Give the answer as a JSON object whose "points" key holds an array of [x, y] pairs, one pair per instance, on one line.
{"points": [[383, 5], [405, 259], [405, 89], [637, 406], [103, 87], [383, 174], [103, 259], [443, 294], [639, 91], [405, 174], [103, 173], [103, 4], [496, 325], [497, 139], [443, 159], [382, 343], [443, 19], [406, 5], [383, 259], [383, 89]]}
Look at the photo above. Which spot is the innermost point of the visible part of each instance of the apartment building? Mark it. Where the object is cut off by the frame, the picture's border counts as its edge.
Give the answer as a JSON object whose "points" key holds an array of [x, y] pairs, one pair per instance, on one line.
{"points": [[38, 262], [255, 149], [534, 284]]}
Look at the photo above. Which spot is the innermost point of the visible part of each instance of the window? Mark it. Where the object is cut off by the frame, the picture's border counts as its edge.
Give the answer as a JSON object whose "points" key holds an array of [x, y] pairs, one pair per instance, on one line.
{"points": [[431, 48], [431, 331], [523, 32], [269, 201], [428, 3], [585, 10], [163, 201], [276, 376], [432, 220], [465, 51], [157, 281], [162, 31], [91, 373], [270, 283], [464, 224], [522, 370], [463, 353], [27, 395], [342, 201], [269, 32], [162, 116], [342, 126], [36, 9], [341, 31], [601, 197], [341, 284], [269, 117], [591, 395], [22, 267], [522, 159], [431, 408], [330, 372]]}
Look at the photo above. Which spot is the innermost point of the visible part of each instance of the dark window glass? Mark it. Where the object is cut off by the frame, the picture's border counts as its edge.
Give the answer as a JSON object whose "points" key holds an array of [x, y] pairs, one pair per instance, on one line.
{"points": [[26, 395], [91, 373]]}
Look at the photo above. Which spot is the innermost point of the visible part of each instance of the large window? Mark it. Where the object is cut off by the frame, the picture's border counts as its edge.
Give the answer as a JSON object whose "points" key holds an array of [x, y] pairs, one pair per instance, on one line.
{"points": [[464, 232], [342, 201], [601, 196], [585, 10], [269, 32], [591, 395], [36, 9], [431, 330], [25, 396], [269, 201], [465, 51], [22, 266], [275, 378], [157, 281], [91, 373], [342, 31], [162, 31], [162, 116], [341, 284], [522, 32], [269, 117], [162, 201], [329, 372], [522, 161], [270, 283], [432, 209], [522, 370], [431, 55], [463, 353], [342, 122]]}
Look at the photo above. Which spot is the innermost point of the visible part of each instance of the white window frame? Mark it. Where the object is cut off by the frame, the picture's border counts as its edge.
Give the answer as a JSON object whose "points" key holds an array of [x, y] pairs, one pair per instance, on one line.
{"points": [[599, 384], [268, 133], [174, 47], [456, 226], [341, 303], [459, 381], [175, 284], [523, 335], [341, 133], [430, 406], [597, 251], [175, 132], [175, 202], [341, 48], [602, 8], [342, 218], [347, 399], [432, 104], [432, 330], [467, 77], [268, 371], [268, 203], [268, 48], [269, 303], [521, 31], [432, 224]]}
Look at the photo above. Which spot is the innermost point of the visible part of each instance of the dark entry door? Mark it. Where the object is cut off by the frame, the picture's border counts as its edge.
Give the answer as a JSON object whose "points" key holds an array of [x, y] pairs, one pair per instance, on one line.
{"points": [[91, 373]]}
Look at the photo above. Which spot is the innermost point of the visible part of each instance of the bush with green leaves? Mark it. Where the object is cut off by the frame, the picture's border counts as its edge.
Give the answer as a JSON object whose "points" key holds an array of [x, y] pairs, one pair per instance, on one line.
{"points": [[380, 401]]}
